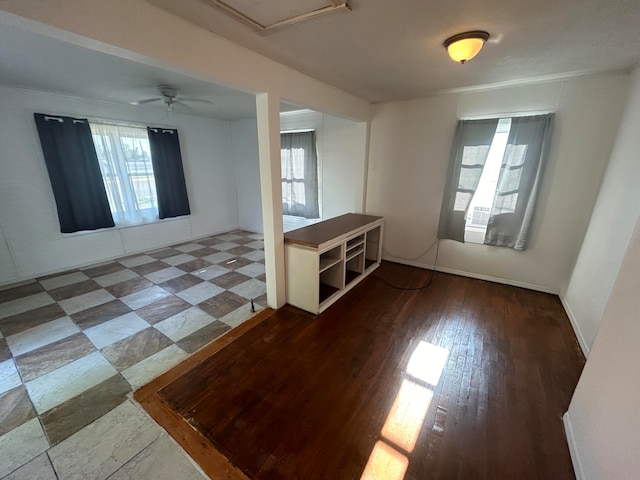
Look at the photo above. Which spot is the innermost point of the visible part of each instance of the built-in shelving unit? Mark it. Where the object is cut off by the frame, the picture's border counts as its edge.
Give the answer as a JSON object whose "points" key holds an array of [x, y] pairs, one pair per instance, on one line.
{"points": [[325, 260]]}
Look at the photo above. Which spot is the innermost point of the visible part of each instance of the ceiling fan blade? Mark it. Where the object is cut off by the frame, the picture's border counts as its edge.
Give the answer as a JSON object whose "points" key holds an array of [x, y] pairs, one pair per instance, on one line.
{"points": [[182, 104], [195, 100], [147, 100]]}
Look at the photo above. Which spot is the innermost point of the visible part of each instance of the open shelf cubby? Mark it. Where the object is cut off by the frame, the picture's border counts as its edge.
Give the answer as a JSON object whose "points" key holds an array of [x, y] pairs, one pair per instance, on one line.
{"points": [[325, 260]]}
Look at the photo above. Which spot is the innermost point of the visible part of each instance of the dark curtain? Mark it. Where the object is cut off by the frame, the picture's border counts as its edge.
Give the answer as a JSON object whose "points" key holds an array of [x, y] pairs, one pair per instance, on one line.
{"points": [[469, 152], [169, 175], [523, 165], [74, 173]]}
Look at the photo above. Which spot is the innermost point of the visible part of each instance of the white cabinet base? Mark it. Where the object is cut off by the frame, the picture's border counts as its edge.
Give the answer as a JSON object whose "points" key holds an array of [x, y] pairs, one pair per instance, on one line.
{"points": [[326, 260]]}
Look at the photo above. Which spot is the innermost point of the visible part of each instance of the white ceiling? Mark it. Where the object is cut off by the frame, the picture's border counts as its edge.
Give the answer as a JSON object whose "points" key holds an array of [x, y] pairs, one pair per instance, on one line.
{"points": [[382, 50], [387, 50], [32, 61]]}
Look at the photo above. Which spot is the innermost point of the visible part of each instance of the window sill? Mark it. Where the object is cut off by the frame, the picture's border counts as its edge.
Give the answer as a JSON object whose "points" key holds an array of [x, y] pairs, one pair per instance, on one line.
{"points": [[124, 227]]}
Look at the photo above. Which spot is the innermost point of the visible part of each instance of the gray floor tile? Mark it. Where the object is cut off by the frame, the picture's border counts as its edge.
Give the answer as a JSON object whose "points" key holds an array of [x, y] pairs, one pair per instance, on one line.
{"points": [[104, 446], [76, 413], [15, 409], [136, 348], [184, 323], [42, 335], [115, 330], [63, 280], [149, 368], [144, 297], [52, 356], [39, 468], [24, 304], [21, 445], [54, 388], [32, 318], [22, 291], [162, 309], [162, 460]]}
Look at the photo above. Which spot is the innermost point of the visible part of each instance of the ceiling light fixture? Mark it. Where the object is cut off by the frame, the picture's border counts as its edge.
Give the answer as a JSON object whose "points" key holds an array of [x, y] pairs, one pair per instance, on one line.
{"points": [[465, 46]]}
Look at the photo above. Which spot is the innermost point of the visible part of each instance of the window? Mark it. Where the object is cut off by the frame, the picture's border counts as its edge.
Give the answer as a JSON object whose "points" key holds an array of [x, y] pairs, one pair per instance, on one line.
{"points": [[482, 201], [124, 156], [494, 176], [299, 169], [105, 175]]}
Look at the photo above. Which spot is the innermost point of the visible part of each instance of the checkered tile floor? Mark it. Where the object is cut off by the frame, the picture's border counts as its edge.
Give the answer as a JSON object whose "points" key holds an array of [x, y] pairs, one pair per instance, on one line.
{"points": [[74, 345]]}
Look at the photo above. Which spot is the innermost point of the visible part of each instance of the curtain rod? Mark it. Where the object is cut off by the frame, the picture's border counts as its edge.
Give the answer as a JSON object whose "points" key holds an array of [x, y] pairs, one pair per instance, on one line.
{"points": [[124, 123], [60, 119]]}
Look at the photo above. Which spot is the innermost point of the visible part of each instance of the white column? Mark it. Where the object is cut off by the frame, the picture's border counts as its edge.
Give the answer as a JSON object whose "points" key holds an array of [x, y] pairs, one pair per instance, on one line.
{"points": [[268, 119]]}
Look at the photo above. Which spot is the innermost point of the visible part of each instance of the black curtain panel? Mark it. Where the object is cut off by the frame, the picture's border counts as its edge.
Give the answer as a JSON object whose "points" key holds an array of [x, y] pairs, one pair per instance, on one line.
{"points": [[169, 175], [74, 173]]}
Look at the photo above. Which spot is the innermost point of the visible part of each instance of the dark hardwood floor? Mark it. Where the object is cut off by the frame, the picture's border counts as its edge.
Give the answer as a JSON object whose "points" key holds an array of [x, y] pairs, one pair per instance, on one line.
{"points": [[463, 380]]}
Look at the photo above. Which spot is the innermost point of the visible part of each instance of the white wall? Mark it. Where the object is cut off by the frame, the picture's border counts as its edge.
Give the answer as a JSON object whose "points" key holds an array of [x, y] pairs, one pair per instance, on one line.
{"points": [[341, 158], [28, 220], [246, 169], [409, 152], [173, 43], [603, 421], [610, 229], [343, 166]]}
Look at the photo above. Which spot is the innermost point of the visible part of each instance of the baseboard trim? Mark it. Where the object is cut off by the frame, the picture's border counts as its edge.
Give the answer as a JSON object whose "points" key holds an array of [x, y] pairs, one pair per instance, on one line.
{"points": [[478, 276], [573, 448], [32, 278], [576, 329]]}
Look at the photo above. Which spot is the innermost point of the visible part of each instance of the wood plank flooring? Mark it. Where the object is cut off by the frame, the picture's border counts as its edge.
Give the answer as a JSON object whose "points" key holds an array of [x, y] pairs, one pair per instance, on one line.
{"points": [[463, 380]]}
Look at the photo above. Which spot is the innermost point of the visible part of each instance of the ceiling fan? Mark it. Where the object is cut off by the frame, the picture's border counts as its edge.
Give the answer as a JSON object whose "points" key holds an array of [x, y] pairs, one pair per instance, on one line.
{"points": [[169, 95]]}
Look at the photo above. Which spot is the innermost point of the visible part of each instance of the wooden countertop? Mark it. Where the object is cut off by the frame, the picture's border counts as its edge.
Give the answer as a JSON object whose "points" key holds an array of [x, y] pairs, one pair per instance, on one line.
{"points": [[321, 232]]}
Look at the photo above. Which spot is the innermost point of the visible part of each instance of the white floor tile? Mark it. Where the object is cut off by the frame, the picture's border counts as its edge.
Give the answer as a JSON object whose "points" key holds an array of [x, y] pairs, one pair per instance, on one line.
{"points": [[136, 261], [21, 305], [66, 382], [63, 280], [184, 323], [218, 257], [255, 255], [162, 460], [114, 330], [178, 259], [88, 300], [9, 376], [199, 293], [225, 246], [21, 445], [250, 289], [228, 237], [116, 277], [240, 315], [41, 335], [100, 449], [252, 270], [165, 274], [189, 247], [144, 297], [257, 236], [258, 244], [212, 271], [143, 372], [39, 468]]}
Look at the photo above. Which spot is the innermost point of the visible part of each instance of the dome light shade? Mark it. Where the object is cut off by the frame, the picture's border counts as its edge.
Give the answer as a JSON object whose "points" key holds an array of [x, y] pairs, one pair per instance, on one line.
{"points": [[465, 46]]}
